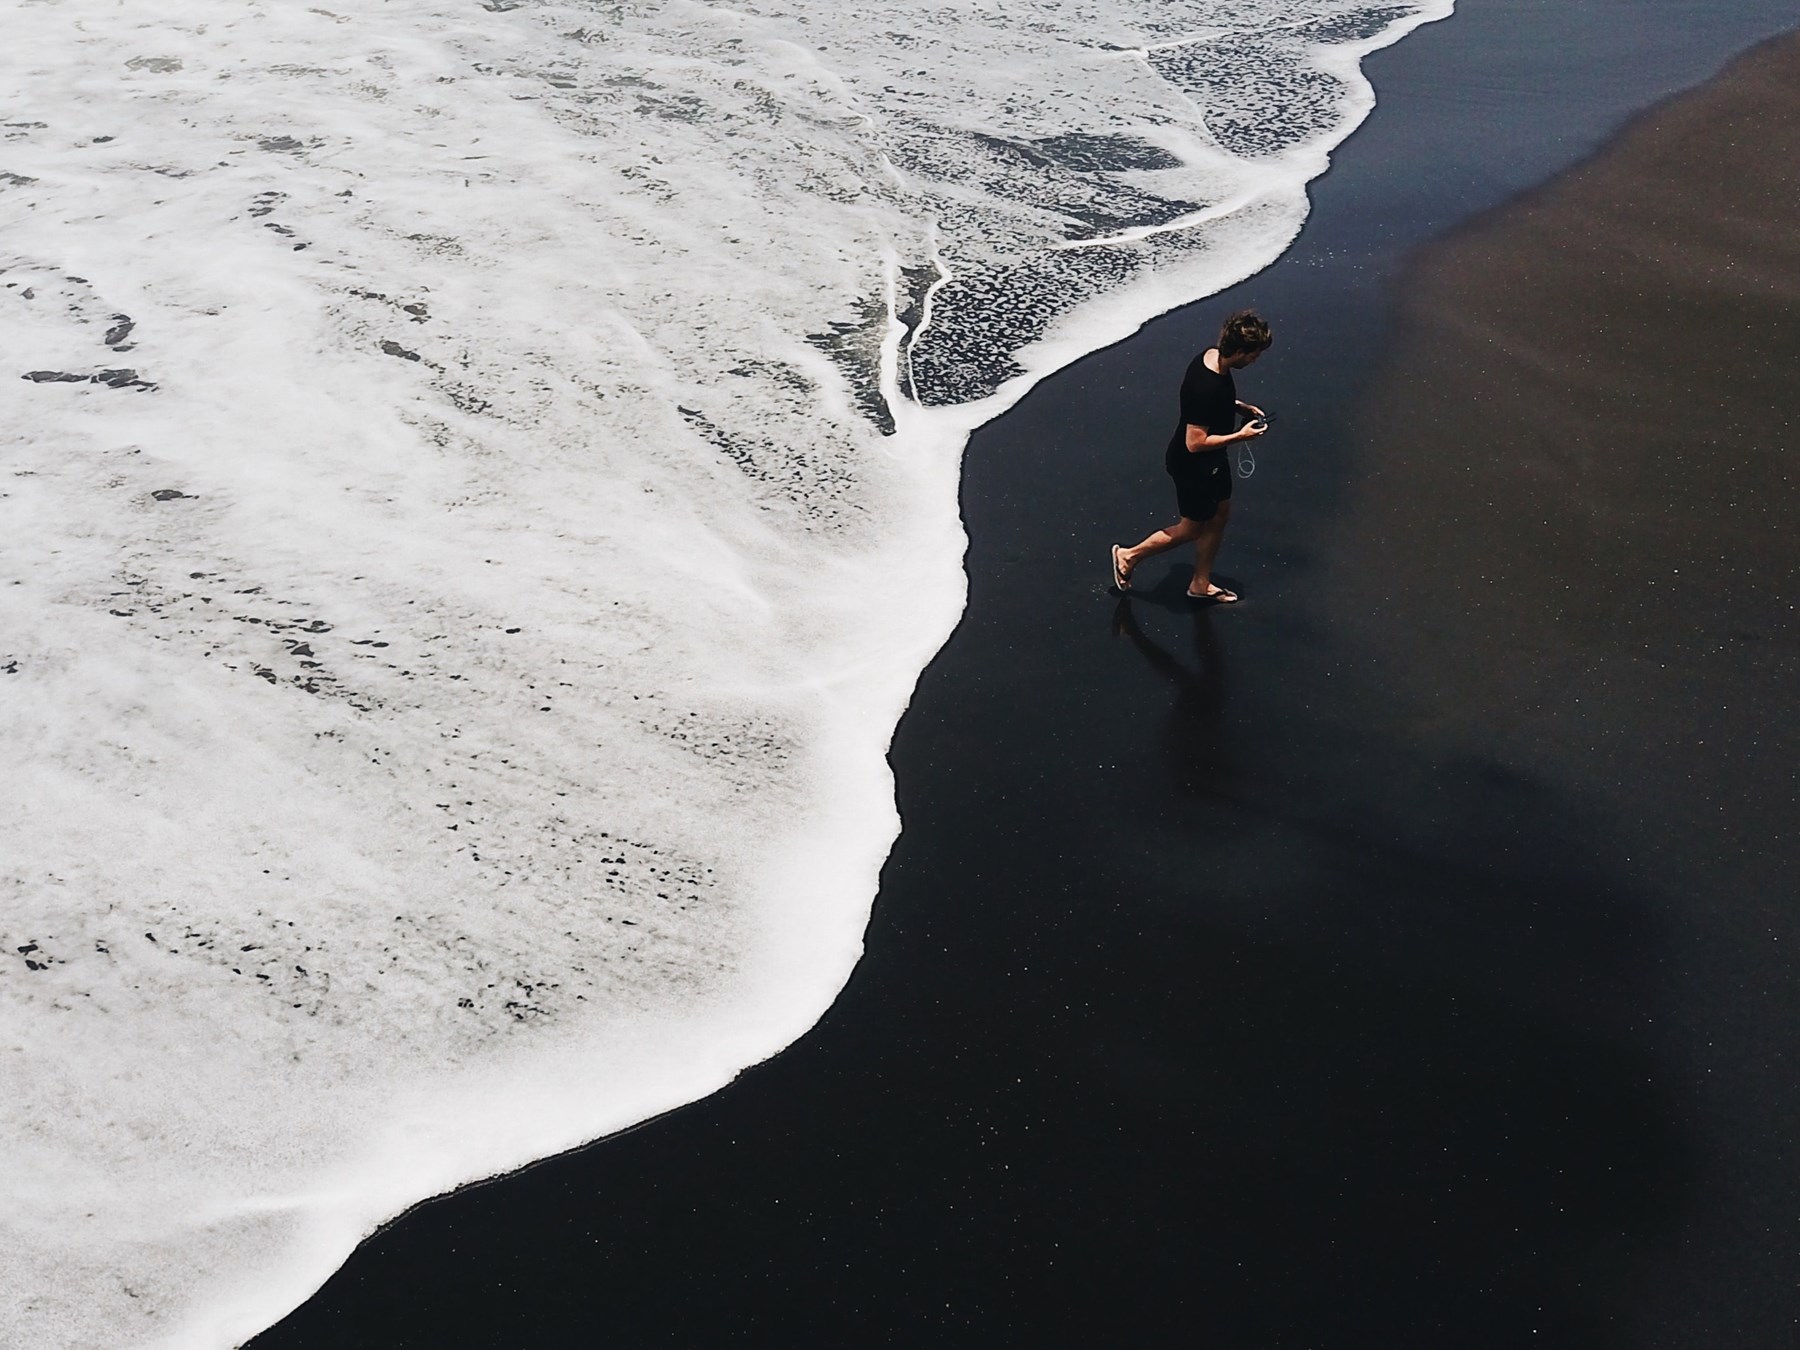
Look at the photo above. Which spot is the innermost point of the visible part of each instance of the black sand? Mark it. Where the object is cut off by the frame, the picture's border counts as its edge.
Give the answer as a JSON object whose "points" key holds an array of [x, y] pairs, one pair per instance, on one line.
{"points": [[1402, 958]]}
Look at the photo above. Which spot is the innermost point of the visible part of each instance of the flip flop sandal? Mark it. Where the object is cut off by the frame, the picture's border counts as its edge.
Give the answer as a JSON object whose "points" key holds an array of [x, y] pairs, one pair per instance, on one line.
{"points": [[1121, 582], [1218, 595]]}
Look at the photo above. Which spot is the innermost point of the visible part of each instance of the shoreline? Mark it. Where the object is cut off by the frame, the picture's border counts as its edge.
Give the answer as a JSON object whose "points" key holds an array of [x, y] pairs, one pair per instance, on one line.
{"points": [[909, 936]]}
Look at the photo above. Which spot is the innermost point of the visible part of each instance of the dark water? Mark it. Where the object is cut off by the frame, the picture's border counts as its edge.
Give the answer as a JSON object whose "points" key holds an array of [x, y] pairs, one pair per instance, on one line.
{"points": [[1210, 998]]}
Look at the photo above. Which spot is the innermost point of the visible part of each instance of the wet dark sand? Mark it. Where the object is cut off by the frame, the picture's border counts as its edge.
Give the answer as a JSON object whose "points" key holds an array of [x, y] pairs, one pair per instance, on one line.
{"points": [[1406, 957], [1574, 524]]}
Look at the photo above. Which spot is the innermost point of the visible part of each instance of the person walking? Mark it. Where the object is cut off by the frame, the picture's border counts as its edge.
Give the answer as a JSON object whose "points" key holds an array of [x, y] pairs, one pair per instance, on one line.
{"points": [[1199, 461]]}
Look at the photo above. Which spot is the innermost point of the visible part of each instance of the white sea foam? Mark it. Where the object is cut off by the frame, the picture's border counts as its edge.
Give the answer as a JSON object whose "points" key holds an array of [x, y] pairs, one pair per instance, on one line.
{"points": [[482, 487]]}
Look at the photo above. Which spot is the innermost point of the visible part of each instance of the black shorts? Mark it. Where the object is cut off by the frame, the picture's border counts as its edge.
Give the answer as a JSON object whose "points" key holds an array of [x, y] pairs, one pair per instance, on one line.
{"points": [[1202, 483]]}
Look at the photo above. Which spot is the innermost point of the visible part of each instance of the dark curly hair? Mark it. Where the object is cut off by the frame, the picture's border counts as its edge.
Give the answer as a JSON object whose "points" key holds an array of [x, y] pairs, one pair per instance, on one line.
{"points": [[1244, 331]]}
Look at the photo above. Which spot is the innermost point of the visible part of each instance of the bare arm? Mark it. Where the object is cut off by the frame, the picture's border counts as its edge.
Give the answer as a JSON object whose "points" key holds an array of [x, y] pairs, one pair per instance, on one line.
{"points": [[1199, 438]]}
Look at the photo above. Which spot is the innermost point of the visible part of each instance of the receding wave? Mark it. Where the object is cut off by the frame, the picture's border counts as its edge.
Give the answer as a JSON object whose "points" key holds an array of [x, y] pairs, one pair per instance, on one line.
{"points": [[481, 485]]}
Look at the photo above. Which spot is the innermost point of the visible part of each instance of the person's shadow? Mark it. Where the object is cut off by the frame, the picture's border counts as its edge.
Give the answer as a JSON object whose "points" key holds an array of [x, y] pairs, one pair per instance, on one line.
{"points": [[1195, 737]]}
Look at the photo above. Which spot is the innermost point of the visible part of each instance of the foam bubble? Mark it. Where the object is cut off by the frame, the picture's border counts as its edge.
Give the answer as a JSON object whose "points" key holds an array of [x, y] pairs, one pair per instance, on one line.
{"points": [[481, 484]]}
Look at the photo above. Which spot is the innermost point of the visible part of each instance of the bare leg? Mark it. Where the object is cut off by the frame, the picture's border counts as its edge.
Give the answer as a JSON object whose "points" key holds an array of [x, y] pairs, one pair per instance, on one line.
{"points": [[1206, 549], [1181, 532]]}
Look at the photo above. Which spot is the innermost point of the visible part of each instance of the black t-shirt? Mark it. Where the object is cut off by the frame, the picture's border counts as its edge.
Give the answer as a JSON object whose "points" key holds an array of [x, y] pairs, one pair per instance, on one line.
{"points": [[1209, 400]]}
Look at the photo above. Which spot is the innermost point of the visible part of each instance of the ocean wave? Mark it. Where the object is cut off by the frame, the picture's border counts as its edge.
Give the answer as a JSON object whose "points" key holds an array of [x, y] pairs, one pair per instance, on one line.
{"points": [[482, 485]]}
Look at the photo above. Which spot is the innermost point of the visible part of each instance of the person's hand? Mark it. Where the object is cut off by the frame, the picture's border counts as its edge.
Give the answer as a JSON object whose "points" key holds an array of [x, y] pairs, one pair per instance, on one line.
{"points": [[1253, 410], [1251, 430]]}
